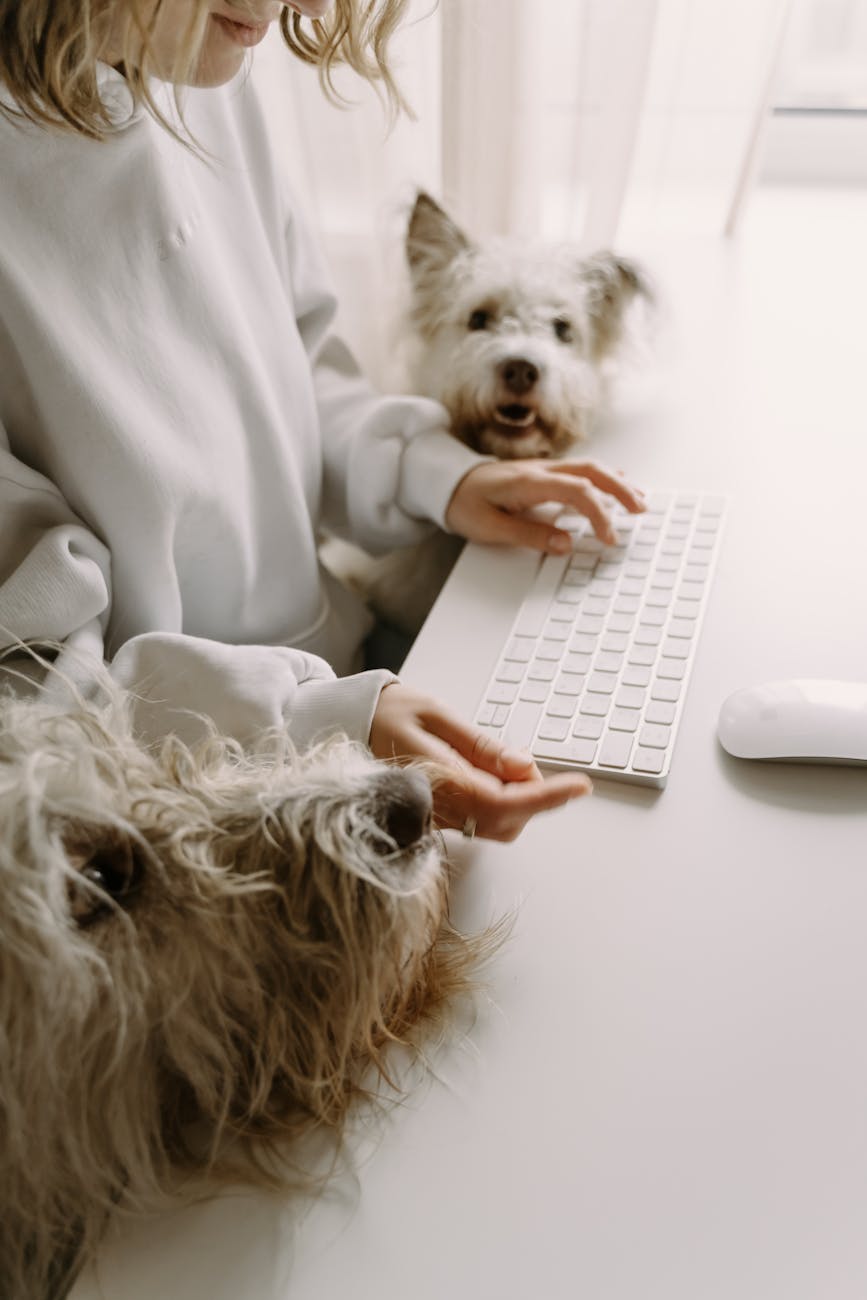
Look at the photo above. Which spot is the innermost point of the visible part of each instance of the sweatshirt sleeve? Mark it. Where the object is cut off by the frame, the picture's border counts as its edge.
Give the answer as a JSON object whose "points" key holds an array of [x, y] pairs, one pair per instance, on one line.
{"points": [[390, 463], [55, 588]]}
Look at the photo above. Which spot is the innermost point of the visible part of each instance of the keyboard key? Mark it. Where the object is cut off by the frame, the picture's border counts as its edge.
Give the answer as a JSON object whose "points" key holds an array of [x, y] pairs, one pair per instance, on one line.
{"points": [[695, 573], [521, 649], [624, 720], [627, 605], [630, 697], [560, 706], [685, 609], [595, 705], [658, 598], [648, 635], [674, 648], [569, 751], [635, 675], [607, 661], [569, 684], [660, 712], [542, 670], [615, 749], [509, 671], [581, 643], [557, 631], [648, 760], [655, 737], [671, 669], [550, 649], [521, 725], [588, 728], [621, 622], [662, 690], [501, 693], [582, 561], [589, 624], [615, 642], [690, 592], [535, 692], [652, 617], [604, 683], [596, 605], [576, 663], [642, 654], [682, 628], [563, 611], [553, 728]]}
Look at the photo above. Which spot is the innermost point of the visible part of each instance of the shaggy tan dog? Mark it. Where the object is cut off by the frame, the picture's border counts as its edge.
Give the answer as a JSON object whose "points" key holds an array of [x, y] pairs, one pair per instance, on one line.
{"points": [[204, 954]]}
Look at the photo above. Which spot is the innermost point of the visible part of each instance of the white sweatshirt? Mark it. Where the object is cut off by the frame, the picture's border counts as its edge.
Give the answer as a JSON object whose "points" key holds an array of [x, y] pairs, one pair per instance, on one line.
{"points": [[177, 420]]}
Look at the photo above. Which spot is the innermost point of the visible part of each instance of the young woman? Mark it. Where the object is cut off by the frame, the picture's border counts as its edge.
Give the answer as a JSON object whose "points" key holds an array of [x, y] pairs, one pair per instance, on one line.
{"points": [[177, 418]]}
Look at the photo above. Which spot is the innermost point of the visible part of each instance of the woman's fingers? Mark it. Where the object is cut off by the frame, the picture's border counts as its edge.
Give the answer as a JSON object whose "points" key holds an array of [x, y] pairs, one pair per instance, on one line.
{"points": [[607, 480], [474, 775], [500, 811], [478, 748]]}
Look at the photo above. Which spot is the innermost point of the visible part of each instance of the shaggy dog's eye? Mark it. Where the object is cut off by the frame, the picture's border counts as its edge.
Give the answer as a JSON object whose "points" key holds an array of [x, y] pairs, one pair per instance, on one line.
{"points": [[563, 329], [480, 319], [113, 873]]}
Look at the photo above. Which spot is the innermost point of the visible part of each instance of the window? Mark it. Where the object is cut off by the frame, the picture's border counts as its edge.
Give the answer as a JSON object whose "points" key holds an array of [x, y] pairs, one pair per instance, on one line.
{"points": [[818, 131]]}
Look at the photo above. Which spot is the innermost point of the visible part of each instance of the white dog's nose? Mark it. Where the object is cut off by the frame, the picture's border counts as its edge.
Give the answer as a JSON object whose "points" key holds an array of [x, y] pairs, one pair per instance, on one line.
{"points": [[518, 374]]}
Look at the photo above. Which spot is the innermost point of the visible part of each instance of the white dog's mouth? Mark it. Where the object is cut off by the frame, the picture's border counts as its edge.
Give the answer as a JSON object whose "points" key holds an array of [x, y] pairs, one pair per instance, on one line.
{"points": [[514, 415]]}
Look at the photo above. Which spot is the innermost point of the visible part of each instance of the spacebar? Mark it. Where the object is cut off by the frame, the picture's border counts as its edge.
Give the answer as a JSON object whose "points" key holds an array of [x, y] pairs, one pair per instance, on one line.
{"points": [[521, 726]]}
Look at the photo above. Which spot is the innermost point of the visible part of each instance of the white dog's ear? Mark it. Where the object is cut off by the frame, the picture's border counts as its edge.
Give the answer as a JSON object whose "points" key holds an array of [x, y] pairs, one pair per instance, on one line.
{"points": [[612, 283], [433, 240]]}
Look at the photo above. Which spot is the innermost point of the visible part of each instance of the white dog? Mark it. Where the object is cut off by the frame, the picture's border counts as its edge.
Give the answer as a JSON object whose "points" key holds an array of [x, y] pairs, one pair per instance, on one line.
{"points": [[516, 340]]}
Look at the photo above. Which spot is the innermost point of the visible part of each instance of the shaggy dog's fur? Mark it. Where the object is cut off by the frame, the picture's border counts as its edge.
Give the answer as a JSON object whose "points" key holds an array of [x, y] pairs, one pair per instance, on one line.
{"points": [[516, 340], [203, 954]]}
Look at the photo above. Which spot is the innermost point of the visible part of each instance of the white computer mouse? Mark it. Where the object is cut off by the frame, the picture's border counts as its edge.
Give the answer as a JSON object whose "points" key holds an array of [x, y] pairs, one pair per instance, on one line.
{"points": [[797, 721]]}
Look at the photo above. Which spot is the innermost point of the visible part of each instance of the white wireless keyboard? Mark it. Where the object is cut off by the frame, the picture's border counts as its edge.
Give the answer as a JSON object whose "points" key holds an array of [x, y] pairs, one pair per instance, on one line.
{"points": [[596, 666]]}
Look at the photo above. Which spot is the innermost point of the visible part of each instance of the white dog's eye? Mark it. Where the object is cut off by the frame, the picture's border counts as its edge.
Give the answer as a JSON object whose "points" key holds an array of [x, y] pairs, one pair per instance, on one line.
{"points": [[480, 319], [563, 329]]}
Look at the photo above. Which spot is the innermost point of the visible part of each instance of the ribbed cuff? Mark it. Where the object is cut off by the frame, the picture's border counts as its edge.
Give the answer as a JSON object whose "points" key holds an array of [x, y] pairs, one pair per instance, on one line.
{"points": [[345, 704], [433, 464]]}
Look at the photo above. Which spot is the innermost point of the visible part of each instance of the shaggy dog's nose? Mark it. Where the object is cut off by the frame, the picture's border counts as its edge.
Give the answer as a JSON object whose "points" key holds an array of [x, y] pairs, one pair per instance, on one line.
{"points": [[406, 806], [518, 374]]}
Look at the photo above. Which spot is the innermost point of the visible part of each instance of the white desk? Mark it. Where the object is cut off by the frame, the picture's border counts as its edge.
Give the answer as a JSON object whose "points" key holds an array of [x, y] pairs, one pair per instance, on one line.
{"points": [[666, 1096]]}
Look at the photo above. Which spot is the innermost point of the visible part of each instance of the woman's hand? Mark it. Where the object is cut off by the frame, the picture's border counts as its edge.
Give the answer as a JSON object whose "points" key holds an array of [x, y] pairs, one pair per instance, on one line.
{"points": [[489, 503], [476, 779]]}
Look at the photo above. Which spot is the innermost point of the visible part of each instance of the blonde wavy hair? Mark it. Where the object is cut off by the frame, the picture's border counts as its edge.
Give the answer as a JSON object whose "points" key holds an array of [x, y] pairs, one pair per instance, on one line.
{"points": [[49, 51]]}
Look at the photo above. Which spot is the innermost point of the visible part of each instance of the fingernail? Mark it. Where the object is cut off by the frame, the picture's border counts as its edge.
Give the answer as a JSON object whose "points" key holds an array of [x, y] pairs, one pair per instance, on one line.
{"points": [[559, 545], [522, 756]]}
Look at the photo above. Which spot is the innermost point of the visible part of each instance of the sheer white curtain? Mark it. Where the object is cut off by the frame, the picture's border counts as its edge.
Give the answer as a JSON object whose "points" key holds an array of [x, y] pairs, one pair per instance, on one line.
{"points": [[600, 121]]}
